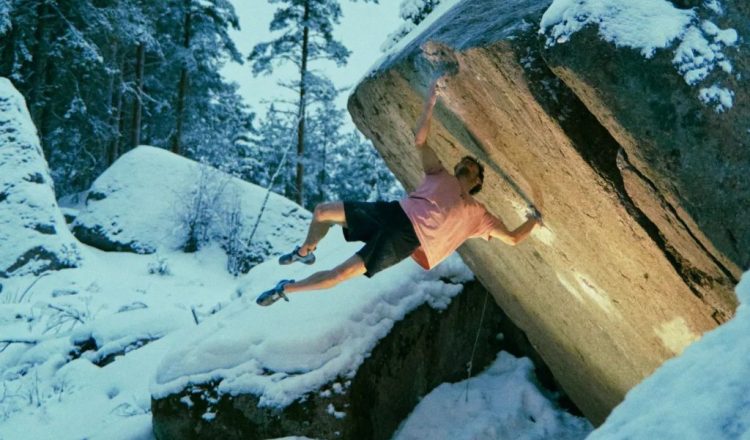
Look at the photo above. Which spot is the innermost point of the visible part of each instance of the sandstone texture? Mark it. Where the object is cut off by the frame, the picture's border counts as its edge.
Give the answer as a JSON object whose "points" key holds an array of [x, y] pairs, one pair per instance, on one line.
{"points": [[641, 251]]}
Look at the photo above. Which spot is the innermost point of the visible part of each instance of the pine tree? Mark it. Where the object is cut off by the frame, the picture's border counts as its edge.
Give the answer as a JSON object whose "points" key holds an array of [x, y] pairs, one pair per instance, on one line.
{"points": [[104, 75], [413, 12], [203, 41], [270, 150], [307, 36], [324, 139], [359, 173]]}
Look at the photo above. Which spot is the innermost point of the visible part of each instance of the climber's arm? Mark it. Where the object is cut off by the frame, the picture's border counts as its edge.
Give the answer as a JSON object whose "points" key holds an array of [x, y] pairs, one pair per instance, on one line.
{"points": [[516, 236], [430, 162]]}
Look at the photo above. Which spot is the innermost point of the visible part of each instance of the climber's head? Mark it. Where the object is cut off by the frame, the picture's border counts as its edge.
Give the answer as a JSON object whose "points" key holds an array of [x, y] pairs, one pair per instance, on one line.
{"points": [[471, 171]]}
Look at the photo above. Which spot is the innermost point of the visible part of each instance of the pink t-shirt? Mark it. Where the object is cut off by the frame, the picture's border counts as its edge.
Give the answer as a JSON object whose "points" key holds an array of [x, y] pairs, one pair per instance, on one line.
{"points": [[443, 219]]}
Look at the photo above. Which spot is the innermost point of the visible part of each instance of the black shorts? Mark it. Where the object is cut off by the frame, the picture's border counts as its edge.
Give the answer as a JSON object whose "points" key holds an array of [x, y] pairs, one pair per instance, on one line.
{"points": [[387, 231]]}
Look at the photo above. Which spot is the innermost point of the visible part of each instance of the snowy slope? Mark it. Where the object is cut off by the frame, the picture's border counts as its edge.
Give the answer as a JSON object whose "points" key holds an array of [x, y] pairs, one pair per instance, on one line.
{"points": [[33, 233], [50, 395], [314, 338]]}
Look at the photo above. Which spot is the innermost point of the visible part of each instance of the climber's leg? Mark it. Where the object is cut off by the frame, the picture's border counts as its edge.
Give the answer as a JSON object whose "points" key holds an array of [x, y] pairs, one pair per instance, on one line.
{"points": [[325, 215], [325, 279]]}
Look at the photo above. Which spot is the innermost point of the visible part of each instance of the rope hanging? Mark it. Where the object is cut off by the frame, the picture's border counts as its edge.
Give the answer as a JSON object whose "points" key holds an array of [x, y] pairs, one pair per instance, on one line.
{"points": [[473, 350], [273, 180]]}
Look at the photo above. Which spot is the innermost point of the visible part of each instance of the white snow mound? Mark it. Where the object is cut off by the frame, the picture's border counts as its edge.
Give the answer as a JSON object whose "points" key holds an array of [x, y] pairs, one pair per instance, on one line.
{"points": [[148, 198], [281, 352], [486, 401], [33, 233]]}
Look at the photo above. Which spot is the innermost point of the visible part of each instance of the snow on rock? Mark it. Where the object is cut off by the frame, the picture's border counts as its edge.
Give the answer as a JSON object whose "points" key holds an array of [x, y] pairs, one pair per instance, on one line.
{"points": [[127, 330], [719, 96], [151, 199], [648, 25], [702, 394], [482, 408], [309, 341], [33, 235], [393, 49]]}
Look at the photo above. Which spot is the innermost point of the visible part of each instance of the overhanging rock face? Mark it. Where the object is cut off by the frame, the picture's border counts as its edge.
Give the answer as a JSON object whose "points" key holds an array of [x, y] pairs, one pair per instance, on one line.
{"points": [[622, 277]]}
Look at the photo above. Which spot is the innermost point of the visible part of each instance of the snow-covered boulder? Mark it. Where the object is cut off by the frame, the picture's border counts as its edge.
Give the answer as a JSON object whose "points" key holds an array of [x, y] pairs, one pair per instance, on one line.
{"points": [[668, 80], [702, 394], [151, 199], [349, 362], [33, 235], [643, 241]]}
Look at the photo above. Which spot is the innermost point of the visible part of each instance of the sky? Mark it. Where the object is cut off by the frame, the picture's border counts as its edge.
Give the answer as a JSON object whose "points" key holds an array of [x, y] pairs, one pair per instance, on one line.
{"points": [[363, 28]]}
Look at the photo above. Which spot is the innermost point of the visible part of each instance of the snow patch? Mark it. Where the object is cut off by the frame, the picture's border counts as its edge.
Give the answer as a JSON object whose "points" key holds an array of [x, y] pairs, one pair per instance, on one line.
{"points": [[720, 97], [649, 25], [503, 402]]}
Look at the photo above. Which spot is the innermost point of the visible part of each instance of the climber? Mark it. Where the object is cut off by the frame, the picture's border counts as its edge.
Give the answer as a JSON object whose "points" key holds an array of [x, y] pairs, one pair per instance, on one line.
{"points": [[428, 225]]}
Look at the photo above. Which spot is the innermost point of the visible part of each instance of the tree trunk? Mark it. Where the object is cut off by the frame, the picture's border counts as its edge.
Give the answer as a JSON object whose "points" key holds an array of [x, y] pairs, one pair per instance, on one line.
{"points": [[40, 57], [120, 110], [115, 107], [140, 58], [182, 88], [8, 57], [301, 115]]}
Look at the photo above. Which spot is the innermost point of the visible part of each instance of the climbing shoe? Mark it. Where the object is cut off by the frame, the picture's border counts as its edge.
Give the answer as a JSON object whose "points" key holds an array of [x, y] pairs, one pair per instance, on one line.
{"points": [[293, 256], [271, 296]]}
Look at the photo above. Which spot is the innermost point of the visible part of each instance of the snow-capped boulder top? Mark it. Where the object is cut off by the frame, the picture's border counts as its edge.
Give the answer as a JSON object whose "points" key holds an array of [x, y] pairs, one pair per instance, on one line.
{"points": [[33, 233], [150, 198], [281, 352]]}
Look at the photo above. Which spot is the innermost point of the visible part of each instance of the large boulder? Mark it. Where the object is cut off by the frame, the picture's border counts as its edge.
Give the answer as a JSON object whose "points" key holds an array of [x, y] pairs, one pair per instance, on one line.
{"points": [[680, 115], [33, 235], [152, 200], [619, 280]]}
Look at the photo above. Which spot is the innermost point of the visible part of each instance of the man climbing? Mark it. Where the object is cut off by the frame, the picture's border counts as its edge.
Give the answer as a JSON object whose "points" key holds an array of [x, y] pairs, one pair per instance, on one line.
{"points": [[429, 224]]}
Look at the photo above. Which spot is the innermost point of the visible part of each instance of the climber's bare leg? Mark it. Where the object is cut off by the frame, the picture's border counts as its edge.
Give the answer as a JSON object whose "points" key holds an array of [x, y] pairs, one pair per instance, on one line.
{"points": [[326, 279], [325, 215]]}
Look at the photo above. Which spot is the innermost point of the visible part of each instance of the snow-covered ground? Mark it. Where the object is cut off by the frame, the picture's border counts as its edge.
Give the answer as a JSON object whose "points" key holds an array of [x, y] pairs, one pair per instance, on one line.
{"points": [[315, 338], [84, 349], [482, 408]]}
